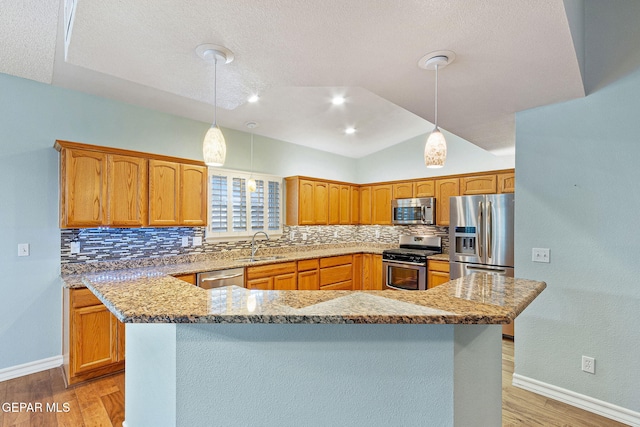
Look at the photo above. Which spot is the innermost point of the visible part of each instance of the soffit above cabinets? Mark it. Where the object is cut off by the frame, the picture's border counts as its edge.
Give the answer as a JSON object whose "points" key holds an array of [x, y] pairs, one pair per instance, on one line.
{"points": [[296, 55]]}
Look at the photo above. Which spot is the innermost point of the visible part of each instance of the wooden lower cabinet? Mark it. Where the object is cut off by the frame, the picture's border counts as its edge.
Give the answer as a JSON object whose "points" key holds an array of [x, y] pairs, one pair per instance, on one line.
{"points": [[437, 273], [372, 272], [93, 339], [336, 273], [309, 275], [280, 277], [189, 278]]}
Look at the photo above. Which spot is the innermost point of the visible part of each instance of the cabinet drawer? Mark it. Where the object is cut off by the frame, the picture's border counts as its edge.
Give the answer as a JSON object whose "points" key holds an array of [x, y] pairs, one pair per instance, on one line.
{"points": [[83, 298], [341, 286], [270, 270], [339, 273], [438, 266], [335, 260], [308, 264]]}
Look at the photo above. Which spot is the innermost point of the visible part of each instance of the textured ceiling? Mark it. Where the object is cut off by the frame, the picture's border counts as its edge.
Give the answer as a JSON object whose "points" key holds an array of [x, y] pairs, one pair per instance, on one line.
{"points": [[511, 56]]}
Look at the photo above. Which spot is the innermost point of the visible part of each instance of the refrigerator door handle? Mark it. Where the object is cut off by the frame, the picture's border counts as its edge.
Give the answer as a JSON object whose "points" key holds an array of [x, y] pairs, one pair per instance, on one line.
{"points": [[489, 230], [480, 234]]}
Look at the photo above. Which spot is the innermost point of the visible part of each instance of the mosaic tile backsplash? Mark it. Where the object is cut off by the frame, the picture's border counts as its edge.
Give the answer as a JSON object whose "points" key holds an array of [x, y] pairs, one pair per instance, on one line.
{"points": [[119, 244]]}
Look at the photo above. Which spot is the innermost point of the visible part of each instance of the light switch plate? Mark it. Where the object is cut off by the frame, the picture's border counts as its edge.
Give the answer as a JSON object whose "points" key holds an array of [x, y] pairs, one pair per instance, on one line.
{"points": [[75, 248], [197, 241], [540, 254], [23, 249], [185, 241]]}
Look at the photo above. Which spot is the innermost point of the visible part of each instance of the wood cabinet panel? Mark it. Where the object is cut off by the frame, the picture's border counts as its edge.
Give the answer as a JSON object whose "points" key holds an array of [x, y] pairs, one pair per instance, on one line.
{"points": [[507, 184], [335, 260], [309, 280], [403, 190], [482, 184], [189, 278], [193, 195], [381, 196], [445, 188], [357, 272], [376, 273], [264, 283], [367, 272], [339, 273], [285, 282], [321, 202], [365, 205], [340, 286], [355, 205], [83, 188], [94, 343], [334, 204], [345, 204], [308, 264], [425, 188], [270, 270], [120, 339], [83, 298], [127, 191], [164, 193], [280, 276], [437, 273], [306, 203]]}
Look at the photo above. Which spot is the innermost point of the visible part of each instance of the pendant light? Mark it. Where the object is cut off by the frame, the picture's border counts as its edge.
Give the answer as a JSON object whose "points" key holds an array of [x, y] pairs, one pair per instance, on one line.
{"points": [[214, 147], [251, 183], [435, 148]]}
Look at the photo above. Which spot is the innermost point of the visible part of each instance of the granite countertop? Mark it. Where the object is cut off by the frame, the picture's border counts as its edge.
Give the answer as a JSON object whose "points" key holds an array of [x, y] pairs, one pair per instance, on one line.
{"points": [[224, 261], [439, 257], [474, 299]]}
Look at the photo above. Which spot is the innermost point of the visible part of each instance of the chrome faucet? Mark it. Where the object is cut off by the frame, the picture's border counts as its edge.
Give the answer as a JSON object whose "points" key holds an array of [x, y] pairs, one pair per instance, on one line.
{"points": [[254, 248]]}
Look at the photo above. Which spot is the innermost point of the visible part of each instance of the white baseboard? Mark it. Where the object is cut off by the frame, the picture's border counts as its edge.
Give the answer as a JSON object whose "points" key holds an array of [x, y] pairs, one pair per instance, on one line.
{"points": [[578, 400], [30, 368]]}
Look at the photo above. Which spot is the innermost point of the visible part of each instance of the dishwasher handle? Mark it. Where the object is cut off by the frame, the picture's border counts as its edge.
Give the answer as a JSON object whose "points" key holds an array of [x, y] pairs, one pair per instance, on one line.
{"points": [[215, 279]]}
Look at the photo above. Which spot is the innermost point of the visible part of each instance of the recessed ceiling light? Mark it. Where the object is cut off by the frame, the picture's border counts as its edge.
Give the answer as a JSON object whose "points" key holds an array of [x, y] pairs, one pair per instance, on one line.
{"points": [[337, 100], [253, 98], [350, 130]]}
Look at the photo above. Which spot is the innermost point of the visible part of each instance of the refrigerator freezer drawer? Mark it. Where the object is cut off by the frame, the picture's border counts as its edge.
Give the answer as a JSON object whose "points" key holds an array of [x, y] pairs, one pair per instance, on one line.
{"points": [[459, 269]]}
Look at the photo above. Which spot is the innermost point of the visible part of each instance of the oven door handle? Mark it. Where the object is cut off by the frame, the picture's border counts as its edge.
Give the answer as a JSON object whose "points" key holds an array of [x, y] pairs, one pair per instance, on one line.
{"points": [[404, 263]]}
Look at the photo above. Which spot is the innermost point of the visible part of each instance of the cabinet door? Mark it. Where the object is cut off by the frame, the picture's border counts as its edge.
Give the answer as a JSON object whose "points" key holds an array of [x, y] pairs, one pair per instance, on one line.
{"points": [[445, 188], [340, 286], [189, 278], [127, 191], [264, 283], [367, 283], [507, 184], [357, 272], [365, 205], [483, 184], [309, 280], [306, 207], [403, 190], [437, 273], [164, 193], [94, 338], [285, 282], [345, 204], [193, 195], [381, 204], [334, 204], [120, 335], [424, 188], [355, 205], [376, 273], [84, 192], [321, 203]]}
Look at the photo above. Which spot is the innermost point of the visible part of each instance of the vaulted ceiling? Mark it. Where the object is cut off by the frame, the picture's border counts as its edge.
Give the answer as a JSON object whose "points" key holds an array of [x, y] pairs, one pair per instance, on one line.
{"points": [[510, 56]]}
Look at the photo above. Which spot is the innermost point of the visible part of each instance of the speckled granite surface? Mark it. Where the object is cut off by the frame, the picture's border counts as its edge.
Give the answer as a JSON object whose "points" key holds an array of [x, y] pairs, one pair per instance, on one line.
{"points": [[439, 257], [473, 299]]}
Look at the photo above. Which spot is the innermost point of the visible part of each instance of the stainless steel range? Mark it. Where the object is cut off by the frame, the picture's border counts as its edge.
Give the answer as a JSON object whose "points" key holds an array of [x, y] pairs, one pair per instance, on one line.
{"points": [[405, 268]]}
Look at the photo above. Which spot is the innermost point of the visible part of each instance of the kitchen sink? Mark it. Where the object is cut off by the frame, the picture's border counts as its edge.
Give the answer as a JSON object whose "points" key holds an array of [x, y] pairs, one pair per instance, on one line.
{"points": [[261, 258]]}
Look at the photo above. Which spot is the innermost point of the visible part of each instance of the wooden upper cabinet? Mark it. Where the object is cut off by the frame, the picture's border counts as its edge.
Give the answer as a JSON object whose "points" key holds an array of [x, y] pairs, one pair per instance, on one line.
{"points": [[193, 195], [381, 196], [321, 202], [127, 191], [445, 188], [164, 193], [83, 188], [308, 201], [425, 188], [507, 182], [365, 205], [345, 204], [403, 190], [306, 204], [334, 204], [355, 204], [481, 184]]}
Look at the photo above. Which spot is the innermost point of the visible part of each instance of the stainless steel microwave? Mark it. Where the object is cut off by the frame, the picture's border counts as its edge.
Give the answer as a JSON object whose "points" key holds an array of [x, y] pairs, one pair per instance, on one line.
{"points": [[414, 211]]}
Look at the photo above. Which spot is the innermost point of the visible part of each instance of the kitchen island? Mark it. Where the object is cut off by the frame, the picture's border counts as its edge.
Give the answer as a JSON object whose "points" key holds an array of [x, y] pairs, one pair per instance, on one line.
{"points": [[232, 356]]}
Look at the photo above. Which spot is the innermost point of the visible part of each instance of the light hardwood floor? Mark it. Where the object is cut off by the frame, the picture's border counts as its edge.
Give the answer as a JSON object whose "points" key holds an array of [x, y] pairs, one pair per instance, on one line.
{"points": [[101, 402]]}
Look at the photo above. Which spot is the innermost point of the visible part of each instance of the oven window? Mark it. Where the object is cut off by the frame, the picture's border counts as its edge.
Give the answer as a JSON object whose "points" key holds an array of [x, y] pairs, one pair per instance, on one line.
{"points": [[403, 278]]}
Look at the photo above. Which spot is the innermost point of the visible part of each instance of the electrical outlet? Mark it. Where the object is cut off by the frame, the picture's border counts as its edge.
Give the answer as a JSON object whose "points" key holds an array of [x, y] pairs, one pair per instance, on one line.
{"points": [[589, 364], [540, 255], [197, 241], [335, 233], [23, 249], [304, 236], [377, 234], [185, 241], [75, 248], [292, 235]]}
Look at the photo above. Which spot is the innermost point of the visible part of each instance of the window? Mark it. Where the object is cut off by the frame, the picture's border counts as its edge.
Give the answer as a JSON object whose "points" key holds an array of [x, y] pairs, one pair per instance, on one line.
{"points": [[234, 211]]}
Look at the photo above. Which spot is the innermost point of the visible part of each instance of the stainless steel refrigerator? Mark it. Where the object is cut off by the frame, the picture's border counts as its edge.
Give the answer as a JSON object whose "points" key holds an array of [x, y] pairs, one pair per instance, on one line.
{"points": [[481, 235]]}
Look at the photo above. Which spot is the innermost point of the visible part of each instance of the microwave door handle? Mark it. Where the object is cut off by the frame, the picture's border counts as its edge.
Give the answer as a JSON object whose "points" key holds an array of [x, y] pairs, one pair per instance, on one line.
{"points": [[423, 216]]}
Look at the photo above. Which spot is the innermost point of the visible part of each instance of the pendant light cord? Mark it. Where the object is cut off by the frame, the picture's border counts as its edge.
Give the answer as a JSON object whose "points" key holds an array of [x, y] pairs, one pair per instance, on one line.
{"points": [[251, 153], [215, 90], [436, 113]]}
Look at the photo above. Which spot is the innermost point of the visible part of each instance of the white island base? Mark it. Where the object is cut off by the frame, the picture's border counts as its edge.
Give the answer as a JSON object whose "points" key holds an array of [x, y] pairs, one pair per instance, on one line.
{"points": [[313, 375]]}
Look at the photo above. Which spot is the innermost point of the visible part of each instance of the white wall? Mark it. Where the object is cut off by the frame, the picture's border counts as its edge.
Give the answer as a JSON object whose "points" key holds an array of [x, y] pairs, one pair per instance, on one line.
{"points": [[578, 168]]}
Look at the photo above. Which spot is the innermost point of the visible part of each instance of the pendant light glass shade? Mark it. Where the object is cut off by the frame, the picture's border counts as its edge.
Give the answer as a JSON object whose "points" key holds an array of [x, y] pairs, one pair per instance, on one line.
{"points": [[251, 185], [435, 150], [214, 147]]}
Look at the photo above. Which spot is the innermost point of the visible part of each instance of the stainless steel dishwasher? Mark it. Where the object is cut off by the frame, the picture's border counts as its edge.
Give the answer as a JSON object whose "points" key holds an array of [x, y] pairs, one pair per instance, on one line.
{"points": [[220, 278]]}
